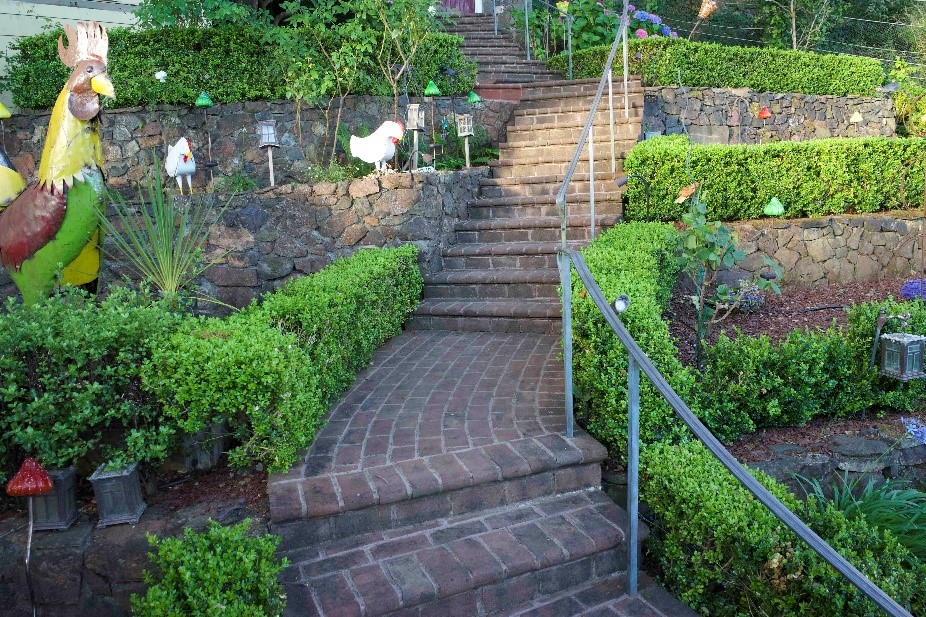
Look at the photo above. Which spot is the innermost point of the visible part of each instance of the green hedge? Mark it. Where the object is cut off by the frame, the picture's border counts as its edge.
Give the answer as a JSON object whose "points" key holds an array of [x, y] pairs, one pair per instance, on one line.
{"points": [[232, 63], [271, 371], [709, 65], [637, 259], [726, 555], [811, 178], [71, 390]]}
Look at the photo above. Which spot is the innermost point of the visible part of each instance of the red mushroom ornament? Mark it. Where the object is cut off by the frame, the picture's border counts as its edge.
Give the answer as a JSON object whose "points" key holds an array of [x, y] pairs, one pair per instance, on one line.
{"points": [[30, 480], [765, 113]]}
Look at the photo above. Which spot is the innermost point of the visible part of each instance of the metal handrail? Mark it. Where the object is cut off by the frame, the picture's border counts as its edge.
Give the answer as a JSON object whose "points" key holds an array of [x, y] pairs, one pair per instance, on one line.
{"points": [[637, 360], [528, 7], [588, 135]]}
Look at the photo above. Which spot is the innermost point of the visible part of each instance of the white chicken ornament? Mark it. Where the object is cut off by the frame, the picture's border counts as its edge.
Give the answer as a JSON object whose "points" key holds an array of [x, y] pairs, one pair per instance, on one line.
{"points": [[180, 163], [378, 147]]}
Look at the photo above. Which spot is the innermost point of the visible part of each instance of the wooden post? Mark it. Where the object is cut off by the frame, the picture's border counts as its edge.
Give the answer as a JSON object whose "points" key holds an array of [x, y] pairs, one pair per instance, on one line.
{"points": [[466, 149], [270, 158]]}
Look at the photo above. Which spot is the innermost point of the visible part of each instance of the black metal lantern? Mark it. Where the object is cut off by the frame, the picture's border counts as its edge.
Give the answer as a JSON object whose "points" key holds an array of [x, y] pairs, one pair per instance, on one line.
{"points": [[902, 356]]}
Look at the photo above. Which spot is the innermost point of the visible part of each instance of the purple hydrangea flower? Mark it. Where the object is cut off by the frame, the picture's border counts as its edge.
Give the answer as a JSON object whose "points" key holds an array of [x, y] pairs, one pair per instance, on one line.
{"points": [[641, 33], [913, 289], [631, 8], [674, 34], [665, 30], [641, 15], [655, 20], [916, 430]]}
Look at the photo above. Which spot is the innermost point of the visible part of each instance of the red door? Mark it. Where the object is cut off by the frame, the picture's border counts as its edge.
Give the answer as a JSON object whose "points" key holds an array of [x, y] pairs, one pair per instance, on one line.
{"points": [[462, 6]]}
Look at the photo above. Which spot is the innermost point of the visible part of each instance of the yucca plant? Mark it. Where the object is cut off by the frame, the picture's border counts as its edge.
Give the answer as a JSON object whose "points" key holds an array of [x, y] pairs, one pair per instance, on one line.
{"points": [[161, 242], [892, 505]]}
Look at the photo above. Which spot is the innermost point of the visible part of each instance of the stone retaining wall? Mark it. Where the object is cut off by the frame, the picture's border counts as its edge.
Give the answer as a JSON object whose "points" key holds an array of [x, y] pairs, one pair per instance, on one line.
{"points": [[129, 134], [267, 237], [726, 116], [835, 249]]}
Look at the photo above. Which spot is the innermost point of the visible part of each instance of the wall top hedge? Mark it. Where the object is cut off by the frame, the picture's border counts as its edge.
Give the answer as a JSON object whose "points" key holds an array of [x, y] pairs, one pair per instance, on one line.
{"points": [[724, 66], [811, 178]]}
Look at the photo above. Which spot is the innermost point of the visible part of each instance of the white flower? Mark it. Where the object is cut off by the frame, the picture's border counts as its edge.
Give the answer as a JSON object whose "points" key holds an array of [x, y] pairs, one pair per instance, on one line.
{"points": [[161, 76]]}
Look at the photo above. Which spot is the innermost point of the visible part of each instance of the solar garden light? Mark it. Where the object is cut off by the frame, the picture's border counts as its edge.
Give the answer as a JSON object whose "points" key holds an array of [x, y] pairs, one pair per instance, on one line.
{"points": [[621, 304], [268, 139], [901, 352], [414, 120], [464, 130]]}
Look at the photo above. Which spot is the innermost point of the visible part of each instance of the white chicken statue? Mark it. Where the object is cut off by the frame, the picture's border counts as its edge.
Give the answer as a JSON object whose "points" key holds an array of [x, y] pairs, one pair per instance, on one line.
{"points": [[378, 147], [180, 163]]}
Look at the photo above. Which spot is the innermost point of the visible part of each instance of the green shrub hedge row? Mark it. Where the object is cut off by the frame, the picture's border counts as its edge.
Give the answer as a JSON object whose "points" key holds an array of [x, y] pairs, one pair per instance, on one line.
{"points": [[762, 69], [271, 371], [121, 379], [726, 555], [231, 63], [810, 178], [637, 259]]}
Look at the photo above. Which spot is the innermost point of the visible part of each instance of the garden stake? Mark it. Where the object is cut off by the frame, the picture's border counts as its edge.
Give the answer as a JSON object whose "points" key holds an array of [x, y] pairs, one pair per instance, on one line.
{"points": [[29, 481]]}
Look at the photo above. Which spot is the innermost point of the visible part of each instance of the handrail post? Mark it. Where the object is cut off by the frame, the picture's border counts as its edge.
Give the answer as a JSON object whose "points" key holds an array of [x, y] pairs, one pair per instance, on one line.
{"points": [[591, 176], [565, 279], [569, 42], [633, 470], [527, 34], [625, 20], [611, 119], [495, 16]]}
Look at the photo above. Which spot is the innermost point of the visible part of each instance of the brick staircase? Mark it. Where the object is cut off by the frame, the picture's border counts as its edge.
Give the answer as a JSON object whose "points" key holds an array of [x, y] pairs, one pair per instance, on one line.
{"points": [[500, 275]]}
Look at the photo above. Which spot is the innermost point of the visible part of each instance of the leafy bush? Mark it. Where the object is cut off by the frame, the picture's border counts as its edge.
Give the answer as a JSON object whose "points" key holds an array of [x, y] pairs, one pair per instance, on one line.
{"points": [[751, 383], [221, 571], [233, 63], [811, 178], [343, 313], [637, 259], [71, 379], [725, 554], [271, 371], [709, 65]]}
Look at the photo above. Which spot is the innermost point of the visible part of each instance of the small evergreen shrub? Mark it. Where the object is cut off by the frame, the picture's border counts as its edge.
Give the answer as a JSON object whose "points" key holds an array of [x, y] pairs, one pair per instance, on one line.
{"points": [[221, 571], [724, 554], [709, 65], [811, 178], [71, 388]]}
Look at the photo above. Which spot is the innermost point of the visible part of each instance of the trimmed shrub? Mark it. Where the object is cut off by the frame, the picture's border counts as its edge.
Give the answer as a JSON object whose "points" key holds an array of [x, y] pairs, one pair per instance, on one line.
{"points": [[343, 313], [811, 178], [271, 371], [751, 383], [221, 571], [71, 380], [637, 259], [233, 63], [724, 554], [709, 65]]}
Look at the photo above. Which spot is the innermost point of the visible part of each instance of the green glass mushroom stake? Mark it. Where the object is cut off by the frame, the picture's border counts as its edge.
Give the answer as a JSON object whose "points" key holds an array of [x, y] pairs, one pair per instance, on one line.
{"points": [[204, 102], [29, 481], [430, 91]]}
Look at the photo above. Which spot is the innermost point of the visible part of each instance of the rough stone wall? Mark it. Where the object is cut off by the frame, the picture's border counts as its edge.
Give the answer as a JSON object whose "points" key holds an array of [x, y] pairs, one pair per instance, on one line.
{"points": [[267, 237], [834, 249], [130, 134], [725, 116]]}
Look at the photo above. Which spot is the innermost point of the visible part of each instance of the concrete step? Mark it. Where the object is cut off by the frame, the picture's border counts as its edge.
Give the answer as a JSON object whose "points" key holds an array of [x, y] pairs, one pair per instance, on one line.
{"points": [[564, 150], [492, 284], [562, 104], [522, 316], [490, 564], [492, 77], [623, 129], [545, 206], [576, 116], [543, 186], [576, 87], [510, 169], [534, 229], [307, 509]]}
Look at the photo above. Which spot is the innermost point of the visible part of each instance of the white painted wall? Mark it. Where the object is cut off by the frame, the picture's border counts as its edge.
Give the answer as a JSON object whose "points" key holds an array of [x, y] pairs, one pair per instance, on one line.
{"points": [[27, 18]]}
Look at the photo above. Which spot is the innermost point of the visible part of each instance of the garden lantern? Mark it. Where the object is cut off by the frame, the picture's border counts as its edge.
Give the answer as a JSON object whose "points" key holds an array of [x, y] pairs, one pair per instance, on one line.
{"points": [[118, 495], [29, 481], [902, 356], [268, 139], [414, 120], [465, 130]]}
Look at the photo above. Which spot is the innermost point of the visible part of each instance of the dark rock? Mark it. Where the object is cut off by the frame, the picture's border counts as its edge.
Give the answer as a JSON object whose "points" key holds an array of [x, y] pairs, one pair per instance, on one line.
{"points": [[271, 268], [253, 218], [852, 446]]}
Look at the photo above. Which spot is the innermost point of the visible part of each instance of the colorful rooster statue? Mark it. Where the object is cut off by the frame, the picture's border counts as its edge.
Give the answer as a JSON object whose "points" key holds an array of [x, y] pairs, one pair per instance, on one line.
{"points": [[378, 147], [50, 233], [180, 163]]}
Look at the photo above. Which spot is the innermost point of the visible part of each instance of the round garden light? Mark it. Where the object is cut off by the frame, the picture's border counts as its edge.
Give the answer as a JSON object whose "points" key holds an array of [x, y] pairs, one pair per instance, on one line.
{"points": [[29, 481]]}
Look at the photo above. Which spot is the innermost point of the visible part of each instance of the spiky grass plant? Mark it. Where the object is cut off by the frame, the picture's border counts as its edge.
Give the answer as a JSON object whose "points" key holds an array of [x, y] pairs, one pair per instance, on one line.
{"points": [[162, 243]]}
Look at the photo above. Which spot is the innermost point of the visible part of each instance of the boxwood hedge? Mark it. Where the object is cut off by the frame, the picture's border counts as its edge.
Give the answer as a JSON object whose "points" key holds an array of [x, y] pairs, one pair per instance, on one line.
{"points": [[762, 69], [811, 178]]}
